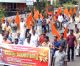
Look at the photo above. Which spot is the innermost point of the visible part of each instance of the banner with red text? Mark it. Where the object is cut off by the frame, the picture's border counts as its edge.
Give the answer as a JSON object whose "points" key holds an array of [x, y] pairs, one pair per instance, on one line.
{"points": [[25, 56]]}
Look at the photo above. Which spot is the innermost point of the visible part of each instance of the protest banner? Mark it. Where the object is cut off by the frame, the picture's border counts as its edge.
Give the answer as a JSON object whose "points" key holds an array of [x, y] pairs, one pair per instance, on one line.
{"points": [[25, 56]]}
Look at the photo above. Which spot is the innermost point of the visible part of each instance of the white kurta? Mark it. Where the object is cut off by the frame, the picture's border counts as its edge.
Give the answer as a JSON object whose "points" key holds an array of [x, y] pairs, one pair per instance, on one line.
{"points": [[60, 57]]}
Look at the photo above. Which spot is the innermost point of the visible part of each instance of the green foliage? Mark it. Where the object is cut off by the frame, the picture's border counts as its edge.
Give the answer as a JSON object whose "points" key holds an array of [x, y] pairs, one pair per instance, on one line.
{"points": [[41, 5], [2, 13], [56, 5], [68, 1], [75, 2], [68, 5]]}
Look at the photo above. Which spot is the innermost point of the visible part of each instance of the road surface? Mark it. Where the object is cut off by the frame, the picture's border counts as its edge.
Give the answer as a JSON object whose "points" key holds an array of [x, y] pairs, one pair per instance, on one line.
{"points": [[75, 63]]}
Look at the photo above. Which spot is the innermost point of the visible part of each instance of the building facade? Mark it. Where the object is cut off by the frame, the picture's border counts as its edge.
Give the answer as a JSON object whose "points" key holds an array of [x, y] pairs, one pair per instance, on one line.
{"points": [[13, 4]]}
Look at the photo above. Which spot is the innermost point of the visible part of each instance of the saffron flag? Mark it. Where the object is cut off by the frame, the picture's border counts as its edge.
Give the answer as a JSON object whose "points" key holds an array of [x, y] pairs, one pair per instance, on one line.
{"points": [[50, 13], [36, 14], [66, 12], [17, 19], [55, 18], [71, 11], [59, 10], [55, 31], [29, 21], [3, 18], [65, 32]]}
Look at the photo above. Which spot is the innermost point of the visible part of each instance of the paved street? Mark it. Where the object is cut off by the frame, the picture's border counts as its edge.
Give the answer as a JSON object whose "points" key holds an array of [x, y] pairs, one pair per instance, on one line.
{"points": [[77, 59], [75, 63]]}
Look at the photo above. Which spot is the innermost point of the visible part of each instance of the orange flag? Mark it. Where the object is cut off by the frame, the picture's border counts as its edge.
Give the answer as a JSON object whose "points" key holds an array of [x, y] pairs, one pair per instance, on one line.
{"points": [[54, 17], [66, 12], [55, 31], [3, 18], [29, 21], [65, 32], [59, 10], [36, 14], [17, 19], [74, 10], [71, 11], [50, 13]]}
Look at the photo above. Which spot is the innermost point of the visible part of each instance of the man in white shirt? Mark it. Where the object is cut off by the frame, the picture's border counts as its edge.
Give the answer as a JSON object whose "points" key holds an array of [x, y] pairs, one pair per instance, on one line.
{"points": [[60, 57], [13, 26], [34, 38], [47, 23], [3, 25], [22, 26], [27, 42], [39, 26], [22, 29], [60, 19], [8, 28]]}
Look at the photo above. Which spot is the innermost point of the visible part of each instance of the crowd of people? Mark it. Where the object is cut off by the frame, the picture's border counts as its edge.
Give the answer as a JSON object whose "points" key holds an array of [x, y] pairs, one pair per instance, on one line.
{"points": [[38, 36]]}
